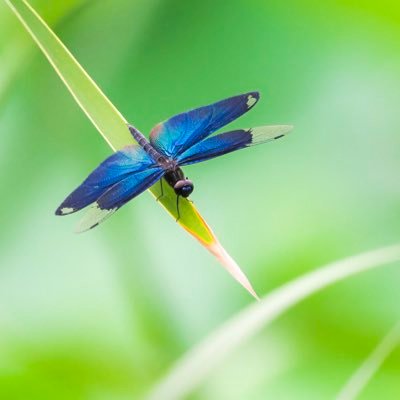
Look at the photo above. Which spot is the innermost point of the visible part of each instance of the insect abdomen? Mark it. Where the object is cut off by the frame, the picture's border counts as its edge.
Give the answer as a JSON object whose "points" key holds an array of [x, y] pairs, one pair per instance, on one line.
{"points": [[145, 145]]}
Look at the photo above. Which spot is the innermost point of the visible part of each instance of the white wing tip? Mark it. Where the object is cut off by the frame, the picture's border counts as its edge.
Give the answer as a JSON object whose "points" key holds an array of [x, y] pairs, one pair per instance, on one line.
{"points": [[93, 217], [251, 100], [269, 132]]}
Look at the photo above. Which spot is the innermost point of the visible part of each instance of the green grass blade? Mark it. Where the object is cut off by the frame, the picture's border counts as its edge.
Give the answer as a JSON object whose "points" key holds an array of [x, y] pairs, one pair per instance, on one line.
{"points": [[14, 53], [371, 365], [200, 361], [113, 127], [106, 118]]}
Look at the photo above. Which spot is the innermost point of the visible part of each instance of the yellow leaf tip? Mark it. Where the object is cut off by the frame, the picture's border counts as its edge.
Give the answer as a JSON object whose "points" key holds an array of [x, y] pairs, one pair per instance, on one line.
{"points": [[232, 267]]}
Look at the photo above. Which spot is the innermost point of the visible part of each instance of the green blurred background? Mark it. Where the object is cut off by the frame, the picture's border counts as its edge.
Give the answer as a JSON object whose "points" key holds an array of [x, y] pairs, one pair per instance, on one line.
{"points": [[103, 315]]}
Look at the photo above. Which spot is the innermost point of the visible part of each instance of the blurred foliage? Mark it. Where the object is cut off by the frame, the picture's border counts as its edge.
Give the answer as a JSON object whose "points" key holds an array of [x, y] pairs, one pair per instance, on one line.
{"points": [[102, 315]]}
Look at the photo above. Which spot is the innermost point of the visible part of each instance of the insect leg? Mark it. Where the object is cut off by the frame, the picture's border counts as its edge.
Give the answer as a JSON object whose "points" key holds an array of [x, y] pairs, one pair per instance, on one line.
{"points": [[162, 190], [177, 208]]}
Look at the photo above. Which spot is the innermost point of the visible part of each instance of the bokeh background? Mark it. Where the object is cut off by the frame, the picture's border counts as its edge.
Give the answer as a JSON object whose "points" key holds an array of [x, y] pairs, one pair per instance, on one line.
{"points": [[103, 315]]}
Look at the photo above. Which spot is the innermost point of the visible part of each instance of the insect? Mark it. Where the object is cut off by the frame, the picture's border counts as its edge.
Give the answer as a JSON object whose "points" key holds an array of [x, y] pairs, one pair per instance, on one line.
{"points": [[179, 141]]}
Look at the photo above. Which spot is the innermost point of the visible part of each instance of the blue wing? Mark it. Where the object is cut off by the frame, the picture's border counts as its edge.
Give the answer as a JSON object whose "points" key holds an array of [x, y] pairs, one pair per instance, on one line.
{"points": [[230, 141], [182, 131], [118, 195], [130, 161]]}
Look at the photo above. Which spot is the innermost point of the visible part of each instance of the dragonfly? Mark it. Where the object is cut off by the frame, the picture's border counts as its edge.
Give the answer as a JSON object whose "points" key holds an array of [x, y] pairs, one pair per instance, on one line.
{"points": [[182, 140]]}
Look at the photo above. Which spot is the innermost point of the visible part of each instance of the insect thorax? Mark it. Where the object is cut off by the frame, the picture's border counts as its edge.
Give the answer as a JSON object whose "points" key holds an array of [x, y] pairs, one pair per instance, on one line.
{"points": [[174, 175]]}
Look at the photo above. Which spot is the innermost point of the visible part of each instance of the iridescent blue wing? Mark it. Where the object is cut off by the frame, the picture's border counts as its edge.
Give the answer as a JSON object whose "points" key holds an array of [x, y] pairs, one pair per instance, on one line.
{"points": [[230, 141], [129, 161], [118, 195], [179, 133]]}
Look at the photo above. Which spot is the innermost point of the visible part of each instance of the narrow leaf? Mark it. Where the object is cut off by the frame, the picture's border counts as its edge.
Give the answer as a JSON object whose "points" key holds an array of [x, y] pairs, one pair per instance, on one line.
{"points": [[199, 362], [371, 365], [16, 51], [113, 127]]}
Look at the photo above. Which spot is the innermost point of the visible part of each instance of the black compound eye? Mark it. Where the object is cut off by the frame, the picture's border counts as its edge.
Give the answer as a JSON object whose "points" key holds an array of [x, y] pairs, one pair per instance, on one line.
{"points": [[186, 190], [183, 187]]}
